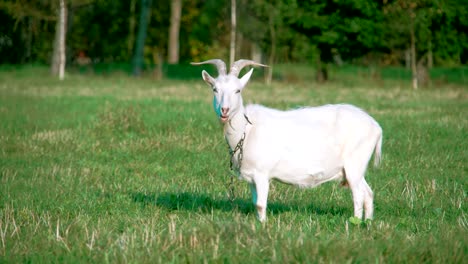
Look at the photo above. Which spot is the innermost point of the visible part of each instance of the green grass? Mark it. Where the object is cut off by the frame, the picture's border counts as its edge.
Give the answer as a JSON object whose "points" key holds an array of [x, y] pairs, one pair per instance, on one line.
{"points": [[99, 169]]}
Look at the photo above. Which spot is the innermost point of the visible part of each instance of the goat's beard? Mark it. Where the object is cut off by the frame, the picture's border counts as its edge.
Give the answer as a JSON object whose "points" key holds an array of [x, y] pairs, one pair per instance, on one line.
{"points": [[224, 119]]}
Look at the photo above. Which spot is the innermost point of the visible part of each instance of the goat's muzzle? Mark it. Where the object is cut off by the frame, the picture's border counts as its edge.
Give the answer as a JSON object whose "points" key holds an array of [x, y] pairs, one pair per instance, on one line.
{"points": [[224, 114]]}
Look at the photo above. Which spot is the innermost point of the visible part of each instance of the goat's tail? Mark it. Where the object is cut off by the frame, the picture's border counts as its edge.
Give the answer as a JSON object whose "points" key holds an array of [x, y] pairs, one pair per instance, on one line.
{"points": [[378, 151]]}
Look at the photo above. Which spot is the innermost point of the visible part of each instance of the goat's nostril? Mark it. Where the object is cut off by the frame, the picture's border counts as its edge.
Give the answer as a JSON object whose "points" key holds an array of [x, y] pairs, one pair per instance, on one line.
{"points": [[224, 110]]}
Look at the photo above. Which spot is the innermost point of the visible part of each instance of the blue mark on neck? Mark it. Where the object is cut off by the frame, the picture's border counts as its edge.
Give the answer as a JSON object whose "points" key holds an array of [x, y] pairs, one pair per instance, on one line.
{"points": [[216, 106]]}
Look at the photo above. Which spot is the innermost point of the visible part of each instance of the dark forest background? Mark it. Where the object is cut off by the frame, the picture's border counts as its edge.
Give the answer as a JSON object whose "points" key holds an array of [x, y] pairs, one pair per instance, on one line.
{"points": [[416, 34]]}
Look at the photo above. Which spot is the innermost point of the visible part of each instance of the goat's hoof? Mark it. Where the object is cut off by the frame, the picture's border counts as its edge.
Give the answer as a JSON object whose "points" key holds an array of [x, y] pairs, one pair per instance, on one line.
{"points": [[261, 213], [262, 219]]}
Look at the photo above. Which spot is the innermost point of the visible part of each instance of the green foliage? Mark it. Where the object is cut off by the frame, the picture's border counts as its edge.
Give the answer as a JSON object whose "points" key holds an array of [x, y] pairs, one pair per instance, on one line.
{"points": [[208, 31], [98, 169], [105, 30], [349, 28], [100, 29]]}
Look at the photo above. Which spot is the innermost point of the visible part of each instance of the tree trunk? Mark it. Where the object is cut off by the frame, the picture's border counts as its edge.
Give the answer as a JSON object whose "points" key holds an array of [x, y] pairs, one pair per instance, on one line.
{"points": [[239, 45], [322, 71], [28, 36], [176, 9], [430, 59], [158, 60], [256, 53], [63, 22], [271, 59], [408, 59], [422, 73], [131, 28], [58, 56], [140, 41], [414, 71], [232, 53]]}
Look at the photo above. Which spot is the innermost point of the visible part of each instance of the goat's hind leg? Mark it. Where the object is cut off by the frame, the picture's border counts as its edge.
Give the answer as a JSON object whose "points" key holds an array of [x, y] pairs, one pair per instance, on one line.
{"points": [[355, 167], [363, 197], [358, 199], [358, 186], [368, 201]]}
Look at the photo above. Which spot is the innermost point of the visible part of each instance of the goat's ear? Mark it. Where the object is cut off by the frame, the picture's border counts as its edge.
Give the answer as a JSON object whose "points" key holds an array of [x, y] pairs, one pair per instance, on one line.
{"points": [[246, 78], [207, 78]]}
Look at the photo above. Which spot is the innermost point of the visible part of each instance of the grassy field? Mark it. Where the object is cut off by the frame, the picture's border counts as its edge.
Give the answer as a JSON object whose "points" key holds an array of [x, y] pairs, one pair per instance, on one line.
{"points": [[111, 169]]}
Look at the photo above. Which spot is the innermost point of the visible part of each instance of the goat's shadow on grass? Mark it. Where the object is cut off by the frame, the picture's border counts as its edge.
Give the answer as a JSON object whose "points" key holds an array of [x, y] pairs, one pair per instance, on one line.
{"points": [[199, 202]]}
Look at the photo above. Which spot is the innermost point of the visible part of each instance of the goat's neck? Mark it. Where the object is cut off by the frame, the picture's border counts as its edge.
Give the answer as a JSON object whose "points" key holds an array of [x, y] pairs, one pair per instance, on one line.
{"points": [[235, 128]]}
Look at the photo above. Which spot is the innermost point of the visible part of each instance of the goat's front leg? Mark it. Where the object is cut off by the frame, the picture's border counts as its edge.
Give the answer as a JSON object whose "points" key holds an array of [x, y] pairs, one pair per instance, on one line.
{"points": [[253, 190], [262, 185]]}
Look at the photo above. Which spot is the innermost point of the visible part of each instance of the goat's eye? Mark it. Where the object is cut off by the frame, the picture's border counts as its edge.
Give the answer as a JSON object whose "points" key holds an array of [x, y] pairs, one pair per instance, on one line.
{"points": [[238, 91], [215, 90]]}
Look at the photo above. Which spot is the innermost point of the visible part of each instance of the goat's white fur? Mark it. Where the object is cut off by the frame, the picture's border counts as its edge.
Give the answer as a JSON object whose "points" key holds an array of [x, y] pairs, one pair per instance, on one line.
{"points": [[304, 147]]}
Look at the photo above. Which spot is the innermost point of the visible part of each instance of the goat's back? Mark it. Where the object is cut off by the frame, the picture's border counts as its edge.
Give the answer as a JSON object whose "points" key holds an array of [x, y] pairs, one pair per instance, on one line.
{"points": [[332, 115]]}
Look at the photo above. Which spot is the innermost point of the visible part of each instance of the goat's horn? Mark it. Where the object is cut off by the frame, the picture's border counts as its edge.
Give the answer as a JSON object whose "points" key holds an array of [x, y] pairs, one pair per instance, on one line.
{"points": [[220, 65], [240, 64]]}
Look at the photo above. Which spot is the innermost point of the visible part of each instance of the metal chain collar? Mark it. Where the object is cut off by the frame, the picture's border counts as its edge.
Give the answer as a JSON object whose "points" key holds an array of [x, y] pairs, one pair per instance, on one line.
{"points": [[239, 147]]}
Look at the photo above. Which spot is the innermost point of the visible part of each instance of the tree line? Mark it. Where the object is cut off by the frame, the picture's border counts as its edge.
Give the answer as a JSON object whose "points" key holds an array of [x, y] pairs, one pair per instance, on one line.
{"points": [[415, 33]]}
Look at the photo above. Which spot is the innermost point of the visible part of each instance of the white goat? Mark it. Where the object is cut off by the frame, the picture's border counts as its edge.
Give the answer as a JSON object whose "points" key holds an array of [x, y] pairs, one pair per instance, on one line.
{"points": [[304, 147]]}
